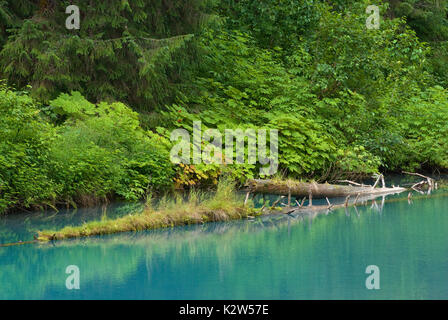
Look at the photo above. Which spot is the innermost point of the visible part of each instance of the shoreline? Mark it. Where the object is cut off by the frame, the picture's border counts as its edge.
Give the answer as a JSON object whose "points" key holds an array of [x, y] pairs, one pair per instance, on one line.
{"points": [[144, 221], [154, 220], [225, 205]]}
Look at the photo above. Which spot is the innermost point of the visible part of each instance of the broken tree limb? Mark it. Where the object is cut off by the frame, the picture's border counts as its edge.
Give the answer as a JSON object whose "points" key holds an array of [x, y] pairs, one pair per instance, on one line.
{"points": [[303, 201], [416, 174], [289, 197], [351, 182], [377, 180], [346, 201], [418, 184], [247, 197], [323, 208], [356, 199], [315, 190], [429, 181], [330, 206], [277, 201]]}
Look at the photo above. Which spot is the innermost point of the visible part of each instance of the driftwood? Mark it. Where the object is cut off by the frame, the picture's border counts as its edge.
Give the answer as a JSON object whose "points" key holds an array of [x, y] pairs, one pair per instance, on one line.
{"points": [[316, 190], [349, 202], [430, 182], [361, 193]]}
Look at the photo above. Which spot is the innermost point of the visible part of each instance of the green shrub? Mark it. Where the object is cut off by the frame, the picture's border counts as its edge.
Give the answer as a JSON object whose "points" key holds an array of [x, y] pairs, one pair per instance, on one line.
{"points": [[243, 86], [96, 152], [424, 126], [24, 143], [103, 150]]}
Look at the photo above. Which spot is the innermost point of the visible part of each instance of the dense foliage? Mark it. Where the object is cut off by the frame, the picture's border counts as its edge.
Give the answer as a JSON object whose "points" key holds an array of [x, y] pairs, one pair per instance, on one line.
{"points": [[347, 101], [120, 53], [96, 152]]}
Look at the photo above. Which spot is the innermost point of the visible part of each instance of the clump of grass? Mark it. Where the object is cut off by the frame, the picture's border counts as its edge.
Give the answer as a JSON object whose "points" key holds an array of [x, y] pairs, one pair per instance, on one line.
{"points": [[223, 205]]}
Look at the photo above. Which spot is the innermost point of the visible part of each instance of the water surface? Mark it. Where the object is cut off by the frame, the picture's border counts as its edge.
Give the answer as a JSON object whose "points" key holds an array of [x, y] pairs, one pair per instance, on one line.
{"points": [[311, 257]]}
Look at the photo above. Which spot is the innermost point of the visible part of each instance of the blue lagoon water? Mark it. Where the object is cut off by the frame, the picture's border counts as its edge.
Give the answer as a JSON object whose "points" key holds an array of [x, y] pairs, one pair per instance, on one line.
{"points": [[321, 256]]}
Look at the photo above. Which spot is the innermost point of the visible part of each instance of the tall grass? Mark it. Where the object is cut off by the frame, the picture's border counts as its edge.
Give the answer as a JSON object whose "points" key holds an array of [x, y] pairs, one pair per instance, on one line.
{"points": [[199, 207]]}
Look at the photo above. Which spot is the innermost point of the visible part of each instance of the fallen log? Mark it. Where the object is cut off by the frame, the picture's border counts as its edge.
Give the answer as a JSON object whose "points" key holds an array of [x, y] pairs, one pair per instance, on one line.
{"points": [[316, 190]]}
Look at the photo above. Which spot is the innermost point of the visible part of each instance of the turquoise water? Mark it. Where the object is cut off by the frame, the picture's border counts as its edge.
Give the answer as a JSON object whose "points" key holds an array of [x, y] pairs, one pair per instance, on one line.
{"points": [[273, 257]]}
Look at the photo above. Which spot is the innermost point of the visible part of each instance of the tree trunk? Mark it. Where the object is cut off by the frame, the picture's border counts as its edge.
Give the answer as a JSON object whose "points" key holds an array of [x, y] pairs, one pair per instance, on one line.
{"points": [[304, 189]]}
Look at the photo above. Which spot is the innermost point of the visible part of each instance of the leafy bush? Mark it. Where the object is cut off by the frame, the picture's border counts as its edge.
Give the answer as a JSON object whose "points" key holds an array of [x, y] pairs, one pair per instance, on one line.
{"points": [[243, 86], [424, 127], [272, 23], [98, 151], [24, 143], [102, 150], [345, 55]]}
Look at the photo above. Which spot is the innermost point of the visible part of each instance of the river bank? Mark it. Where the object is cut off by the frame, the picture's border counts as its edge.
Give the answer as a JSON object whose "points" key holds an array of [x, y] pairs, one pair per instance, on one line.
{"points": [[226, 204]]}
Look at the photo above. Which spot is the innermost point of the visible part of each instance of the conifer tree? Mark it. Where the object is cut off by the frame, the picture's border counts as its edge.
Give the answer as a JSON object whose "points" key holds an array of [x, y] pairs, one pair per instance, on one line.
{"points": [[429, 18], [130, 51]]}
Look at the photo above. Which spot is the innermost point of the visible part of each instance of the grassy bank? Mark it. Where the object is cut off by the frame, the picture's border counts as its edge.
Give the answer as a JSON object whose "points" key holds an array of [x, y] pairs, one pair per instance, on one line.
{"points": [[223, 205], [200, 207]]}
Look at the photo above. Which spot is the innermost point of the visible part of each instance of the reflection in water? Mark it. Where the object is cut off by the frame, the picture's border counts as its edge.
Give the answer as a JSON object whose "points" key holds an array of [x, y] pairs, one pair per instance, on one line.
{"points": [[317, 256], [22, 226]]}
